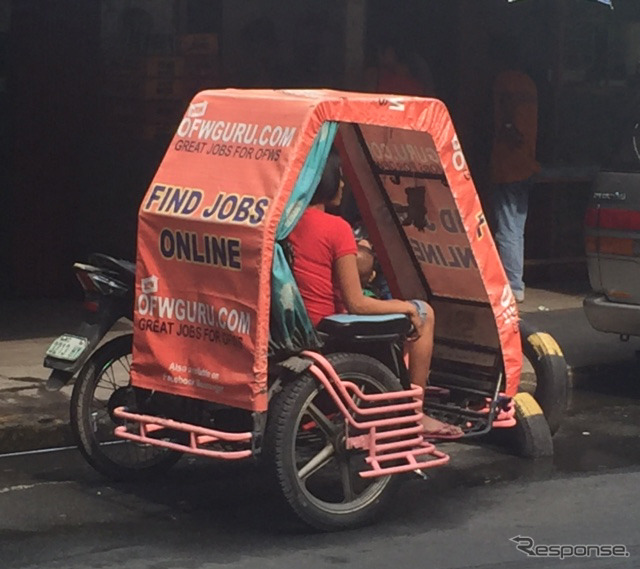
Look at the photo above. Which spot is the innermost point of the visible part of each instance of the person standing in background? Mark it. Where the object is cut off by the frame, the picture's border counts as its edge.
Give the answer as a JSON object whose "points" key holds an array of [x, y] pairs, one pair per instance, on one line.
{"points": [[513, 157]]}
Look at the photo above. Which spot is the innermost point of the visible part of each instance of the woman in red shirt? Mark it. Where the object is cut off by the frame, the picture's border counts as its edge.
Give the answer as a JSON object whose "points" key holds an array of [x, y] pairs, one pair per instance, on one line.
{"points": [[326, 272]]}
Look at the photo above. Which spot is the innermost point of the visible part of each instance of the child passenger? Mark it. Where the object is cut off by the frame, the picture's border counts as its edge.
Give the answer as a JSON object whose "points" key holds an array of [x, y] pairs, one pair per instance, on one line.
{"points": [[365, 261], [326, 272]]}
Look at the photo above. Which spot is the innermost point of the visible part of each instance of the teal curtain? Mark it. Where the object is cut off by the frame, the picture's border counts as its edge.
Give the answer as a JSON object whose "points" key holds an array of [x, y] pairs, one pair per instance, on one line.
{"points": [[290, 327]]}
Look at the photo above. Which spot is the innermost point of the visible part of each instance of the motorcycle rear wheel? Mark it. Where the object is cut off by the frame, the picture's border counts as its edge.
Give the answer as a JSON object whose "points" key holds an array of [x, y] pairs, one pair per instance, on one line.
{"points": [[101, 386]]}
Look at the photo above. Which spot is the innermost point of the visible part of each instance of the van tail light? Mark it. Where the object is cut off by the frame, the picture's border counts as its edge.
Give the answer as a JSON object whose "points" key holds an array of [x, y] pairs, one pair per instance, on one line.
{"points": [[616, 246], [612, 220], [617, 219], [612, 246]]}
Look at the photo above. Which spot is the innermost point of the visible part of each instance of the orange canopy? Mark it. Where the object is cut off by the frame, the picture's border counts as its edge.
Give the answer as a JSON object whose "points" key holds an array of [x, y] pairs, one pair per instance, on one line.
{"points": [[207, 225]]}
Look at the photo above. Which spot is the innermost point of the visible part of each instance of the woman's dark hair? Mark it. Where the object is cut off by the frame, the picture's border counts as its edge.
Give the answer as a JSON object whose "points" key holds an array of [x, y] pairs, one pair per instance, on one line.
{"points": [[330, 181]]}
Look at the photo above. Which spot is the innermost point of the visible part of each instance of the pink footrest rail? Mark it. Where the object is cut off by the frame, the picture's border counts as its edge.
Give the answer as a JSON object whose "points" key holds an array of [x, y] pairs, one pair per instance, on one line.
{"points": [[198, 436], [504, 418], [392, 431]]}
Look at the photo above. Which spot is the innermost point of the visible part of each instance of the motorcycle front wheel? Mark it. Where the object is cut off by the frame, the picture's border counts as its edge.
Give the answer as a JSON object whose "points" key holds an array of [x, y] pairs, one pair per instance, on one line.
{"points": [[103, 384]]}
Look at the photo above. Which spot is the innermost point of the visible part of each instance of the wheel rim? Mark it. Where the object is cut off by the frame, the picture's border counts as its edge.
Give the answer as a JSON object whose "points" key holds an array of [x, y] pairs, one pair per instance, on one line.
{"points": [[110, 381], [324, 470]]}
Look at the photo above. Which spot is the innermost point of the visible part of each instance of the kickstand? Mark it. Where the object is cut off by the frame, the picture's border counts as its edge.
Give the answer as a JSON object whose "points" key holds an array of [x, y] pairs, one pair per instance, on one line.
{"points": [[421, 474]]}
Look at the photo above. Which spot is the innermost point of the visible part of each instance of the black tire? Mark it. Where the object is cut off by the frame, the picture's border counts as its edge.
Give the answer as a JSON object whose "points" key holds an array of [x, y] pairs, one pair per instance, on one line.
{"points": [[531, 437], [550, 386], [107, 372], [316, 499]]}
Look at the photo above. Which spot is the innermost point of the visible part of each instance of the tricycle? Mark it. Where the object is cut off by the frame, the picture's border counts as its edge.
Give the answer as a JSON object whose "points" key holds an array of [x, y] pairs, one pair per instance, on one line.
{"points": [[223, 361]]}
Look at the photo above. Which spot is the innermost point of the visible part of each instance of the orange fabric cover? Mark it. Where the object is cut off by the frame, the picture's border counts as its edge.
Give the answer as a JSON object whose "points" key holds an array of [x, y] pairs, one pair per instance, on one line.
{"points": [[207, 225]]}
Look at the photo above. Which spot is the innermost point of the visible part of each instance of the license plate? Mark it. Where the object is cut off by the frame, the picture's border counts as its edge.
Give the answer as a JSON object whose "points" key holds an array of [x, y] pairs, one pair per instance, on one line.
{"points": [[67, 347]]}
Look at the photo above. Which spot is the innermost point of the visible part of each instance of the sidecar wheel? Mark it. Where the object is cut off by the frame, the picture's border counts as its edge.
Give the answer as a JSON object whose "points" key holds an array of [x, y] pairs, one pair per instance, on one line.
{"points": [[551, 385], [305, 444], [102, 384], [530, 437]]}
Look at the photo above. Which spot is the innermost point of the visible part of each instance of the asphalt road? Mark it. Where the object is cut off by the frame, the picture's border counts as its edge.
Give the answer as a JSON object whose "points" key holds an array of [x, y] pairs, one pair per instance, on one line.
{"points": [[57, 513]]}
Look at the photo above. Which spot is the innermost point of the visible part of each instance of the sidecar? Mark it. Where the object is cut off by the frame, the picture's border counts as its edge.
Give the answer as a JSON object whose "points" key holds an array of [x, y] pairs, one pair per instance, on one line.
{"points": [[225, 362]]}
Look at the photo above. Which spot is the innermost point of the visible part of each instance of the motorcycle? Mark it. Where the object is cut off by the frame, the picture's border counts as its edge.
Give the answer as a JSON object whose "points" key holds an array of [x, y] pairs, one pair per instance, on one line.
{"points": [[108, 286]]}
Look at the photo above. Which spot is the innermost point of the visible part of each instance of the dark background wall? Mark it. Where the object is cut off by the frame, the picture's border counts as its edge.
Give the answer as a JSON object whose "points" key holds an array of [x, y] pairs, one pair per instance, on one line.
{"points": [[72, 183], [72, 176], [52, 111]]}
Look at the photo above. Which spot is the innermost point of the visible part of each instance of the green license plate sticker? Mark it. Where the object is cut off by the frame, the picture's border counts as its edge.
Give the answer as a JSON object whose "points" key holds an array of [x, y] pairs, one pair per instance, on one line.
{"points": [[67, 347]]}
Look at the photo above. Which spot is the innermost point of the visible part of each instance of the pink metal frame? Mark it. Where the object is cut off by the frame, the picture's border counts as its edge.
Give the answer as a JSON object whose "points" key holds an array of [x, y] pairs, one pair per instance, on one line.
{"points": [[390, 432], [198, 436], [506, 417], [397, 421]]}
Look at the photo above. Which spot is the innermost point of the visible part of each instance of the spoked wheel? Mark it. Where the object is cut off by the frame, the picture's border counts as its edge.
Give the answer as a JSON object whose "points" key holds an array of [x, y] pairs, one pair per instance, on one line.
{"points": [[103, 385], [306, 440]]}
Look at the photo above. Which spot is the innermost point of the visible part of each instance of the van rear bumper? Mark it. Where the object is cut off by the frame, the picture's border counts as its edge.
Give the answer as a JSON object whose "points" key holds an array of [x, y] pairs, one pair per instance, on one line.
{"points": [[613, 317]]}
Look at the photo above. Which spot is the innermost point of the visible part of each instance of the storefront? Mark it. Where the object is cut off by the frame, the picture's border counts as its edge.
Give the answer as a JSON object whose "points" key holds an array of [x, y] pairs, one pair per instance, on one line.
{"points": [[584, 58], [93, 91]]}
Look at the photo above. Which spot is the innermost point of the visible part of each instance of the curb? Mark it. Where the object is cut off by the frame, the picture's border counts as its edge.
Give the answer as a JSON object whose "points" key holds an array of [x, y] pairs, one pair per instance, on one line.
{"points": [[19, 435]]}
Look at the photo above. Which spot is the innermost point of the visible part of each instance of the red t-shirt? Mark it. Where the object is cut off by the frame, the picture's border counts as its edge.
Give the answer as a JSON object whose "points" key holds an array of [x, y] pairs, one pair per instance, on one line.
{"points": [[318, 240]]}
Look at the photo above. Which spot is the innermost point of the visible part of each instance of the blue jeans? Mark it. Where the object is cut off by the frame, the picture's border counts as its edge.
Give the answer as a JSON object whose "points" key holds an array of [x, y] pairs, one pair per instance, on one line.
{"points": [[510, 204]]}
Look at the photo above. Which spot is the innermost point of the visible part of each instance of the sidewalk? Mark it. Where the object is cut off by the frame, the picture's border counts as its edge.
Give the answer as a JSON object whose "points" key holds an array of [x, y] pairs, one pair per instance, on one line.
{"points": [[31, 417], [587, 351]]}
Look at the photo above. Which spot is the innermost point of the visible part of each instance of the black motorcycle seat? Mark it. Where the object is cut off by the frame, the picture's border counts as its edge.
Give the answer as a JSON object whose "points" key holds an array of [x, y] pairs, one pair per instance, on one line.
{"points": [[354, 326], [126, 269]]}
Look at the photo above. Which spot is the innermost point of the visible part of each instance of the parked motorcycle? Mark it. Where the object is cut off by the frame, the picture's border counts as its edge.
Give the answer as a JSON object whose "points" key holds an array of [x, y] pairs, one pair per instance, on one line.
{"points": [[108, 285], [103, 373]]}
